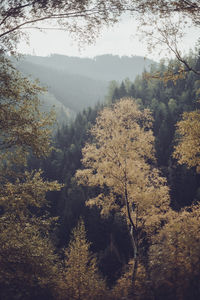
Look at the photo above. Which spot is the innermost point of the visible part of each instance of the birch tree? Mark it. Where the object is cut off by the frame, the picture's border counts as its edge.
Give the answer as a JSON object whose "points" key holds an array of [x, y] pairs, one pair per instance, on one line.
{"points": [[120, 162]]}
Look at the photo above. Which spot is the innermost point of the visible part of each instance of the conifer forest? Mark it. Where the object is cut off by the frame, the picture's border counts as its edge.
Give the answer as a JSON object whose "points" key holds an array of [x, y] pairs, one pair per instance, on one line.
{"points": [[99, 200]]}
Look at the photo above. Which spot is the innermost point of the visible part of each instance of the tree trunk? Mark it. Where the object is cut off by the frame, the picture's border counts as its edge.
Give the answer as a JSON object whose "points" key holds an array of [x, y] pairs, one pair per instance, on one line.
{"points": [[133, 239]]}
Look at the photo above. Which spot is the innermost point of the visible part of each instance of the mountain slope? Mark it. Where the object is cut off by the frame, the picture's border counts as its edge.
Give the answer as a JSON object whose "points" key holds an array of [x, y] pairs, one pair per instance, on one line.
{"points": [[76, 83]]}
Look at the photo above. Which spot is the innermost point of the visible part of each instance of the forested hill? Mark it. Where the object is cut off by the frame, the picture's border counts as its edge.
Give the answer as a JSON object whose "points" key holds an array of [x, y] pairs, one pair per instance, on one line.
{"points": [[164, 247], [78, 83]]}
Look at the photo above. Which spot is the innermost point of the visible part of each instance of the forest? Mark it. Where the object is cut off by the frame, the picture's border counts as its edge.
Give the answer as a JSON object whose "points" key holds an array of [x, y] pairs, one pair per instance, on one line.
{"points": [[107, 206]]}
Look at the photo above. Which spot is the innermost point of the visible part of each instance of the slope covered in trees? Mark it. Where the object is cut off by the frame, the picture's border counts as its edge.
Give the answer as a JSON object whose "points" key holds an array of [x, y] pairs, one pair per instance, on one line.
{"points": [[151, 249], [118, 175], [104, 183], [80, 82]]}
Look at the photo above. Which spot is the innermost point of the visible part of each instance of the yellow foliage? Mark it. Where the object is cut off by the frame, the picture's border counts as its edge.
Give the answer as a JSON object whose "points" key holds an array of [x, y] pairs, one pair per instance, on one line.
{"points": [[123, 286], [19, 196], [188, 131], [82, 279], [119, 161], [28, 264], [174, 254], [118, 158]]}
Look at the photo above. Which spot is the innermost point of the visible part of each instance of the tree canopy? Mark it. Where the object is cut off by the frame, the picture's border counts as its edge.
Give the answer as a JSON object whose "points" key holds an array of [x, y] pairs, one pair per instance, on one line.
{"points": [[26, 256], [82, 278], [119, 166], [119, 162], [187, 150], [84, 18]]}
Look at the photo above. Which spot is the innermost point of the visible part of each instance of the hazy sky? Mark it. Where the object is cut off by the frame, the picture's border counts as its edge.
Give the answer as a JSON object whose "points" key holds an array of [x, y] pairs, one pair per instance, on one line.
{"points": [[121, 39]]}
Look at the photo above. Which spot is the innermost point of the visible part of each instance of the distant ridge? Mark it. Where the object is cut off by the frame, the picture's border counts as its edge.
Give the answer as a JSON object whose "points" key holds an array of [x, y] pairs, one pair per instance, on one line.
{"points": [[105, 67], [76, 83]]}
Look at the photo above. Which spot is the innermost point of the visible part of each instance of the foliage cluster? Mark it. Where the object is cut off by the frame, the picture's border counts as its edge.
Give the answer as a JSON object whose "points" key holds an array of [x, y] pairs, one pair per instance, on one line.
{"points": [[168, 101]]}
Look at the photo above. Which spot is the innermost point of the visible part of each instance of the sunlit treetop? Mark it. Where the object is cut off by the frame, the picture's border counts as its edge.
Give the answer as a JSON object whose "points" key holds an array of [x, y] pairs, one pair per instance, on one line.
{"points": [[119, 161]]}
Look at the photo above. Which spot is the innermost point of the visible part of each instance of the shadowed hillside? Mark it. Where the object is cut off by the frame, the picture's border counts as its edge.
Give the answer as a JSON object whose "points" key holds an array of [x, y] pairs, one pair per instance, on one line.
{"points": [[77, 83]]}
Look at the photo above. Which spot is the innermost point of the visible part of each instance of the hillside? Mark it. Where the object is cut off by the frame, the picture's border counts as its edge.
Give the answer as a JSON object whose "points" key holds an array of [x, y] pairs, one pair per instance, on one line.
{"points": [[76, 83]]}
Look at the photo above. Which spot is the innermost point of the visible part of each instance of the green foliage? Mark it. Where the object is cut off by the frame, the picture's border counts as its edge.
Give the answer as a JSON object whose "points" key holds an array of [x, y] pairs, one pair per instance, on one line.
{"points": [[28, 265], [23, 126]]}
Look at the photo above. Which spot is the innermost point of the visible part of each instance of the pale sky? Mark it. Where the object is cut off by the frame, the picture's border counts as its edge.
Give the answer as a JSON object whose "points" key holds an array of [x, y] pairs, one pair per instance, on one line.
{"points": [[121, 39]]}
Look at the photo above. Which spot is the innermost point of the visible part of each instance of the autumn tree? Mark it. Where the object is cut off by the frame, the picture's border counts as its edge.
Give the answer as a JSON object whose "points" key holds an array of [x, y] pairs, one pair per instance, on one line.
{"points": [[174, 256], [29, 268], [81, 277], [123, 286], [27, 257], [187, 150], [119, 161]]}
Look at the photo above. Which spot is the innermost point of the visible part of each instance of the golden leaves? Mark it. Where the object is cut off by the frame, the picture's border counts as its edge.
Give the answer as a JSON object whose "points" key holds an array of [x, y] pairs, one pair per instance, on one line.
{"points": [[81, 276], [28, 191], [27, 261], [174, 253], [188, 135], [117, 161]]}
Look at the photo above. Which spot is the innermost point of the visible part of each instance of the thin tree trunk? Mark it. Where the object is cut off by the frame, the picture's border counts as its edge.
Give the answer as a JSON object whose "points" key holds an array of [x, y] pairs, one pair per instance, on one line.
{"points": [[135, 257], [133, 239], [133, 232]]}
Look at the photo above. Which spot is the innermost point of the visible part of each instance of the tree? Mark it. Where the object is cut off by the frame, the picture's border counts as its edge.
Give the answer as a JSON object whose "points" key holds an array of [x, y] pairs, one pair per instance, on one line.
{"points": [[188, 148], [164, 8], [119, 163], [174, 256], [82, 278], [29, 268], [23, 127], [84, 18], [163, 24], [26, 256]]}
